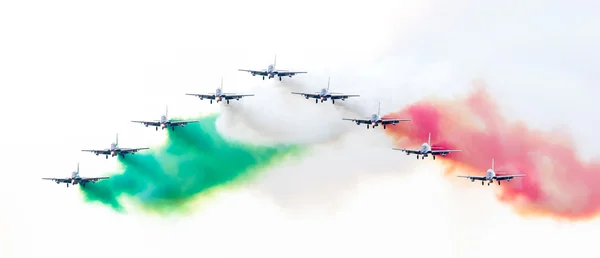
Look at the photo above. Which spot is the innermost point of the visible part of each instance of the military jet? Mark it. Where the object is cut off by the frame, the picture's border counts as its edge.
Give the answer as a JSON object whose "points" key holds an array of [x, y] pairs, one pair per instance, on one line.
{"points": [[219, 95], [271, 71], [164, 122], [491, 175], [76, 179], [115, 150], [376, 120], [426, 150], [324, 95]]}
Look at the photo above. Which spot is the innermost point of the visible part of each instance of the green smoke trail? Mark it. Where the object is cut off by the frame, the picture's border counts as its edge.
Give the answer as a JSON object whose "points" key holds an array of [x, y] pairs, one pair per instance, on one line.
{"points": [[195, 160]]}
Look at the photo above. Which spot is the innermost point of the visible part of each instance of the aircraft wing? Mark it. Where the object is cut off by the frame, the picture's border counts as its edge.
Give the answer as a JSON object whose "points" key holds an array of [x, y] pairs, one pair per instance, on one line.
{"points": [[104, 152], [152, 123], [343, 96], [409, 151], [442, 152], [393, 121], [359, 121], [93, 179], [60, 180], [237, 96], [203, 96], [507, 177], [183, 122], [473, 178], [310, 95], [287, 73], [254, 72], [128, 150]]}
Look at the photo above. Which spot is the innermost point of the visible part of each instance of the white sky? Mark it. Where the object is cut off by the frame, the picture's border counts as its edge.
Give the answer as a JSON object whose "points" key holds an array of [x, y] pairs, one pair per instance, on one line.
{"points": [[74, 74]]}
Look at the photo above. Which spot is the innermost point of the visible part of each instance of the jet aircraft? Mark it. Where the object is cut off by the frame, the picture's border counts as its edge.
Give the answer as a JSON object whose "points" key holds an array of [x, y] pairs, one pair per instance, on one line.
{"points": [[491, 175], [271, 71], [324, 94], [76, 179], [115, 150], [376, 120], [219, 95], [164, 122], [426, 150]]}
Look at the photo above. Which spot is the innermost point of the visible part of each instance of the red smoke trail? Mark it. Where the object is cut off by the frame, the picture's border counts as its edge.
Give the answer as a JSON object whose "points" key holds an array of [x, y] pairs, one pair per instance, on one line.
{"points": [[557, 182]]}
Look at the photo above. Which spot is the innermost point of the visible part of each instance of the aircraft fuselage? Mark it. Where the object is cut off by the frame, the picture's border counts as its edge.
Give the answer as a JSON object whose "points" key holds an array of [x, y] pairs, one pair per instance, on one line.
{"points": [[76, 180], [376, 122], [490, 175], [271, 71], [425, 149]]}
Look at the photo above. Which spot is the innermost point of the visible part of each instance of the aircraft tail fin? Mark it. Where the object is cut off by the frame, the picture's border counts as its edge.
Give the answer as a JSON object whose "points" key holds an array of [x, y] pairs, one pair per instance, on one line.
{"points": [[492, 164], [117, 140], [275, 61], [328, 81], [221, 83], [379, 108], [429, 139], [166, 111], [77, 168]]}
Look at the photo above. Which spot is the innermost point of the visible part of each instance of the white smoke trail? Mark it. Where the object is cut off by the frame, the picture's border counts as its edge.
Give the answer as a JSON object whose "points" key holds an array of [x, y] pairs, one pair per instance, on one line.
{"points": [[276, 115]]}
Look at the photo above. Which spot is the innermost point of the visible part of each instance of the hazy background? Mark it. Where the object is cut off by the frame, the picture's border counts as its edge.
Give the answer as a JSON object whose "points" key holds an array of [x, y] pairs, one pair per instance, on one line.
{"points": [[74, 74]]}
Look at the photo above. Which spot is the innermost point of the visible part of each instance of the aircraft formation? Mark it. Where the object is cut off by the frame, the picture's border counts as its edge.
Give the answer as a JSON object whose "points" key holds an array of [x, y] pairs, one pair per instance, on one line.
{"points": [[323, 95]]}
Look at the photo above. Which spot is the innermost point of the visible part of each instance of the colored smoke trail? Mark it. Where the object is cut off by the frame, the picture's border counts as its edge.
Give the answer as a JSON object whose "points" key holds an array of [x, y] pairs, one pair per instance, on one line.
{"points": [[557, 182], [195, 159]]}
